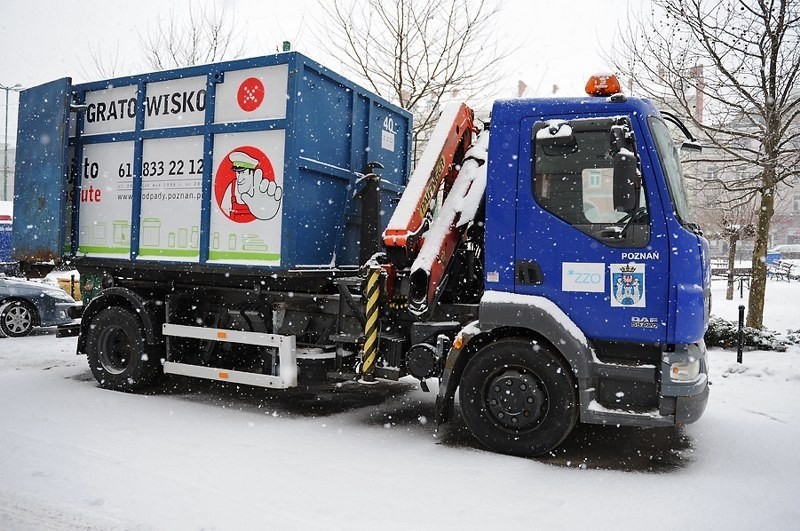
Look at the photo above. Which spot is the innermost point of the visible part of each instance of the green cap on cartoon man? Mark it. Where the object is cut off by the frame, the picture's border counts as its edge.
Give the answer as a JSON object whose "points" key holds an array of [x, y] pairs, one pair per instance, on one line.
{"points": [[242, 161]]}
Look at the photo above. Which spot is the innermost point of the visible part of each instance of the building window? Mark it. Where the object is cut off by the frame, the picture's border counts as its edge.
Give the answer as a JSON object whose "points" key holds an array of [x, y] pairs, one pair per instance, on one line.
{"points": [[595, 179]]}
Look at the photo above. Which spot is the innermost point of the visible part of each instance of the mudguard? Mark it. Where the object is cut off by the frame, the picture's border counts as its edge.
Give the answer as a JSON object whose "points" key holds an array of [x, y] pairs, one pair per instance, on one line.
{"points": [[502, 314], [117, 296]]}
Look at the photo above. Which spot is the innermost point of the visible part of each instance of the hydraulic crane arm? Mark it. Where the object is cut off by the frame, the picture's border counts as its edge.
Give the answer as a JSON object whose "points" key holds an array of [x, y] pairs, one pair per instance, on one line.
{"points": [[440, 242], [425, 237], [437, 169]]}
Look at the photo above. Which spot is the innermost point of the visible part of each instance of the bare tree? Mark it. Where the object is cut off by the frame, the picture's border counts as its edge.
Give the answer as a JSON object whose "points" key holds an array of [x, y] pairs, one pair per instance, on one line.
{"points": [[203, 35], [417, 53], [104, 63], [731, 224], [737, 63], [196, 35]]}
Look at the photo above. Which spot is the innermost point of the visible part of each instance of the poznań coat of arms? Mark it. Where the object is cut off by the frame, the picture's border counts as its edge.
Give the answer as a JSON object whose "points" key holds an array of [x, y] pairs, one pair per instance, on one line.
{"points": [[627, 285]]}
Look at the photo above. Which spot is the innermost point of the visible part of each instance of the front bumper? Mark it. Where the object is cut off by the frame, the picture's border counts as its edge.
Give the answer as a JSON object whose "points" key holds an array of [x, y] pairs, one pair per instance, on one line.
{"points": [[69, 323], [685, 400], [57, 314], [690, 408]]}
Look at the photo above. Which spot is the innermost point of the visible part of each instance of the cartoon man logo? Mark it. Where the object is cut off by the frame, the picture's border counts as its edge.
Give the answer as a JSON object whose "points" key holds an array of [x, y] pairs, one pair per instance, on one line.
{"points": [[245, 186]]}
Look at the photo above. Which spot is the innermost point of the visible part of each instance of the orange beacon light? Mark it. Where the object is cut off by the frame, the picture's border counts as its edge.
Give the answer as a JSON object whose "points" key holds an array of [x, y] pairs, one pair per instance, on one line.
{"points": [[603, 85]]}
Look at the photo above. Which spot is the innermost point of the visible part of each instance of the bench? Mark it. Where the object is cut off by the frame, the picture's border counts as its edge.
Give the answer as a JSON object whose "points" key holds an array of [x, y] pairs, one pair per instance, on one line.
{"points": [[780, 270], [718, 262], [723, 272]]}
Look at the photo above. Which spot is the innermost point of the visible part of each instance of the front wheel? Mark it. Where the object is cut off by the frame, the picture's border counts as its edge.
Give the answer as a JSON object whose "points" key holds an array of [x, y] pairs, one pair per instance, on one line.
{"points": [[518, 397], [117, 353], [16, 319]]}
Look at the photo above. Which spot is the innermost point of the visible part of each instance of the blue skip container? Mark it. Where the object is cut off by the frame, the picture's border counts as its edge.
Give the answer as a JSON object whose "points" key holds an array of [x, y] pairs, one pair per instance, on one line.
{"points": [[249, 163]]}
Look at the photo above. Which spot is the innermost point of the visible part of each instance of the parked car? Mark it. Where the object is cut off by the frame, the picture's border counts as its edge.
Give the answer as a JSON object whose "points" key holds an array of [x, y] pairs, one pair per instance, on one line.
{"points": [[789, 251], [25, 304]]}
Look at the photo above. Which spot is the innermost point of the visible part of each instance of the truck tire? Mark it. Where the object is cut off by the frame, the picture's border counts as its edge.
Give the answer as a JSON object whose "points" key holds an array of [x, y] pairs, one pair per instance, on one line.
{"points": [[117, 353], [518, 397], [17, 319]]}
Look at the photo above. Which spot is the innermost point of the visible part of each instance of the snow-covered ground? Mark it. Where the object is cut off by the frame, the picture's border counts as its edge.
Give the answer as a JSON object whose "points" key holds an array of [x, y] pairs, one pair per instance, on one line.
{"points": [[203, 456]]}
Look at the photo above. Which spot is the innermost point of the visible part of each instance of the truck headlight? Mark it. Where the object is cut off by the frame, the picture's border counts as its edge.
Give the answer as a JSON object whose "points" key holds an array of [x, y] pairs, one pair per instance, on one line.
{"points": [[684, 371]]}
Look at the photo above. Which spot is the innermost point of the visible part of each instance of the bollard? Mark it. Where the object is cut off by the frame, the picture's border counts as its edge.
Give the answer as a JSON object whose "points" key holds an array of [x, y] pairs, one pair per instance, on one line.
{"points": [[740, 342]]}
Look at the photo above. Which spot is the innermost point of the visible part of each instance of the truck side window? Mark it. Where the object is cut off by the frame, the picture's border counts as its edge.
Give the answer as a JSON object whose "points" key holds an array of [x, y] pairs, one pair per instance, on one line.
{"points": [[573, 179]]}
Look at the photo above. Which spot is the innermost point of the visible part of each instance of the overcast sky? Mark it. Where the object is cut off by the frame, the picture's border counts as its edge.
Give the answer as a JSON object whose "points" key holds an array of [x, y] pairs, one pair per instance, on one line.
{"points": [[42, 40]]}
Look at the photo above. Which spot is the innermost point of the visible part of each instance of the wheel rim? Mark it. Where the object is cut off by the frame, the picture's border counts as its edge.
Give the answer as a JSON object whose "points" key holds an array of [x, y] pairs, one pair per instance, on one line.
{"points": [[115, 350], [516, 399], [18, 320]]}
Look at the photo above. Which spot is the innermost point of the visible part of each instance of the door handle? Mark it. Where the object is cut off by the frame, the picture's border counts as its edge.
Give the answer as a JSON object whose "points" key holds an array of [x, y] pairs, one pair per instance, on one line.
{"points": [[529, 272]]}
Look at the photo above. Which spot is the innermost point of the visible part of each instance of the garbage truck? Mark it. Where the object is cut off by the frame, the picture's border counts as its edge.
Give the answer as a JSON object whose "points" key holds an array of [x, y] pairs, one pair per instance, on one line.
{"points": [[259, 222]]}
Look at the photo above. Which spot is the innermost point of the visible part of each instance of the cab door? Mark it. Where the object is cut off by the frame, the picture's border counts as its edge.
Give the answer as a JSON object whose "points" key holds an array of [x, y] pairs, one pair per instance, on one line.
{"points": [[601, 257]]}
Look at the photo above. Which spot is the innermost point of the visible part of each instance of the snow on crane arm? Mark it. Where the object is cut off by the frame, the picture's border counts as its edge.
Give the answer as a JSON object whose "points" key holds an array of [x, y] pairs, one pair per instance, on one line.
{"points": [[414, 198], [464, 199]]}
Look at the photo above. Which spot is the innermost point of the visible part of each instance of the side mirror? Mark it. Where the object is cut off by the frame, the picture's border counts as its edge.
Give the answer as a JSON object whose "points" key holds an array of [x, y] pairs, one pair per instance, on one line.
{"points": [[626, 180], [691, 147], [556, 139]]}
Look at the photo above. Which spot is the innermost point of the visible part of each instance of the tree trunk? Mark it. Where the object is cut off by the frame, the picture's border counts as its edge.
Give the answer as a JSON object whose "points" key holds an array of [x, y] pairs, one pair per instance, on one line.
{"points": [[732, 240], [758, 283]]}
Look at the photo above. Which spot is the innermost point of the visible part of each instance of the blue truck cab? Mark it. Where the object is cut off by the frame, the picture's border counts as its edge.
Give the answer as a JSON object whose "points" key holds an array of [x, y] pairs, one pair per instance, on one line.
{"points": [[612, 276]]}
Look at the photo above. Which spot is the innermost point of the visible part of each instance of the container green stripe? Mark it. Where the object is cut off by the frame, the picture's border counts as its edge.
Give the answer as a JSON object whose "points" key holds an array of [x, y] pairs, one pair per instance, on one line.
{"points": [[106, 250], [232, 255], [182, 253]]}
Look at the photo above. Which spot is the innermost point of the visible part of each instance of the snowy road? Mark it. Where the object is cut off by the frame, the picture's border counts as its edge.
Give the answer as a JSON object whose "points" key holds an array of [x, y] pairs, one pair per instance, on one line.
{"points": [[202, 456]]}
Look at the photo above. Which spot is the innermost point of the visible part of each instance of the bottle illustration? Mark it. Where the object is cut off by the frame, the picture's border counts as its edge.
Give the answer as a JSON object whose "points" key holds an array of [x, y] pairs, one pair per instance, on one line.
{"points": [[183, 238], [151, 232]]}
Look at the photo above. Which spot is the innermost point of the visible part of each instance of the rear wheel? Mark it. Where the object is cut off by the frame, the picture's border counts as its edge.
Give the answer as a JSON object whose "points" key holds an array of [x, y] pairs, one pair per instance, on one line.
{"points": [[17, 318], [518, 397], [117, 352]]}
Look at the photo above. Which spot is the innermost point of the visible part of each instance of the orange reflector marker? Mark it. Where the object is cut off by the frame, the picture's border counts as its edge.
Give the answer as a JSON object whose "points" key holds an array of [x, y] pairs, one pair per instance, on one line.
{"points": [[459, 342], [603, 85], [223, 375], [222, 335]]}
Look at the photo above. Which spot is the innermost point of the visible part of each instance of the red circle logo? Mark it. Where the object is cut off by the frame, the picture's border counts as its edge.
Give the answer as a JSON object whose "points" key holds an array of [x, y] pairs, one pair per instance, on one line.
{"points": [[251, 94], [238, 183]]}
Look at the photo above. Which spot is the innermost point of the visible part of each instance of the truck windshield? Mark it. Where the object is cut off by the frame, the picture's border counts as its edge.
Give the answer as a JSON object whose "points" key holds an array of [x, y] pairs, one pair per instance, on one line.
{"points": [[671, 166]]}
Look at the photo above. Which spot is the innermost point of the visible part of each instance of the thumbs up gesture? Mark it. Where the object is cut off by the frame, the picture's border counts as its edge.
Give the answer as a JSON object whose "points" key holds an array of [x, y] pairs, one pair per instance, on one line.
{"points": [[263, 198]]}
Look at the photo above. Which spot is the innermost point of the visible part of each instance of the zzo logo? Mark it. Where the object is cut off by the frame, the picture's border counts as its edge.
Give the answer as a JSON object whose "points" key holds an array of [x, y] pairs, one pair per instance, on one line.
{"points": [[587, 278], [583, 276]]}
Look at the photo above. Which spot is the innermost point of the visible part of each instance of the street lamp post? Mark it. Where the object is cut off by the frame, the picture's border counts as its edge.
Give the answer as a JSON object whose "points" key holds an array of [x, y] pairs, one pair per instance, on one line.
{"points": [[16, 87]]}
